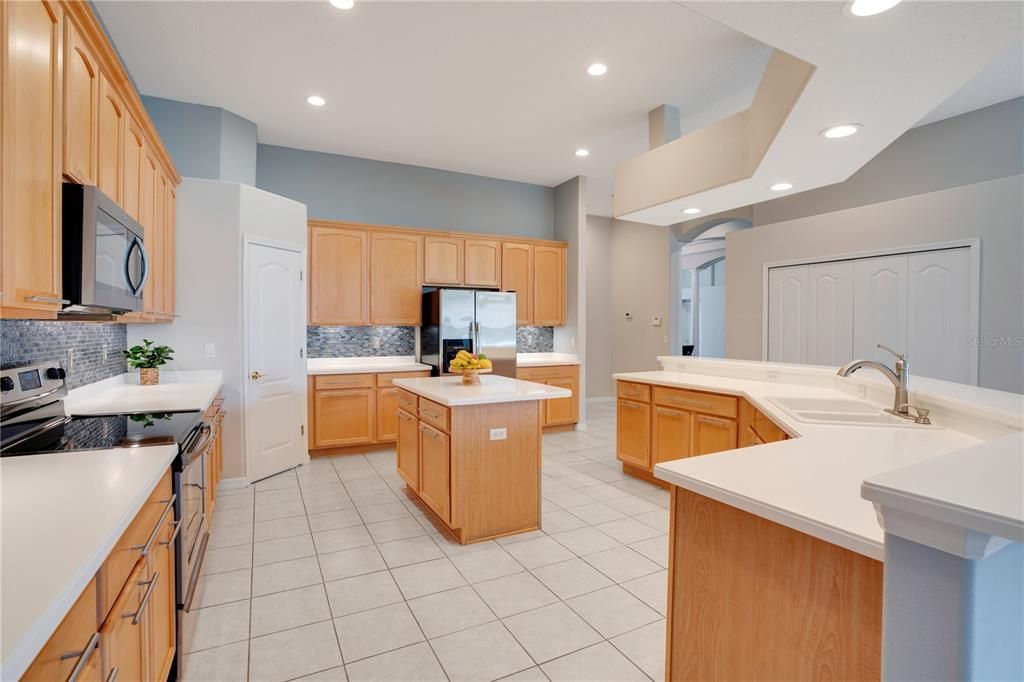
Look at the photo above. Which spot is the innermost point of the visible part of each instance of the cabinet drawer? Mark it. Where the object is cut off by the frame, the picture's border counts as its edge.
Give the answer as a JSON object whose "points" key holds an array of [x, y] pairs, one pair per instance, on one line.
{"points": [[434, 414], [633, 391], [140, 537], [385, 380], [708, 403], [408, 401], [542, 373], [76, 634], [327, 381]]}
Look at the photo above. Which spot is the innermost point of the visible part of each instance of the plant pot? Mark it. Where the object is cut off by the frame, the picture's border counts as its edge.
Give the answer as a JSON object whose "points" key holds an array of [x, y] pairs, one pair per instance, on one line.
{"points": [[149, 376]]}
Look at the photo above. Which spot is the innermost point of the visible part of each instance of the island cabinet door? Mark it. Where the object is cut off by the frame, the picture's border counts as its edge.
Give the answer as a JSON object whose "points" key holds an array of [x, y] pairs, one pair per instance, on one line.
{"points": [[634, 433], [343, 417], [435, 471], [409, 449], [671, 434], [713, 434]]}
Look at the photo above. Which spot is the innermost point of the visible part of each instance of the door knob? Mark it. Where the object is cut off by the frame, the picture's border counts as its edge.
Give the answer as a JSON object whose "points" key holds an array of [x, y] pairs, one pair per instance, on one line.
{"points": [[256, 375]]}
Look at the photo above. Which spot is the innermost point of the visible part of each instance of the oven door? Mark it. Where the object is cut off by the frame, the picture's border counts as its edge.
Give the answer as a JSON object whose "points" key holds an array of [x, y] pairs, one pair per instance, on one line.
{"points": [[193, 539]]}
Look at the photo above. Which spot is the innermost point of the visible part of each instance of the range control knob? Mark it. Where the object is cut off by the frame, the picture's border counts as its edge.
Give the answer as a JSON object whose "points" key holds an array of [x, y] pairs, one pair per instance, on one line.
{"points": [[6, 384], [55, 373]]}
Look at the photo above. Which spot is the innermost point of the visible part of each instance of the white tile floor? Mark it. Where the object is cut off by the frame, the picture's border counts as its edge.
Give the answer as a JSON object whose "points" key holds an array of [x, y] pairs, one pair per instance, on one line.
{"points": [[332, 572]]}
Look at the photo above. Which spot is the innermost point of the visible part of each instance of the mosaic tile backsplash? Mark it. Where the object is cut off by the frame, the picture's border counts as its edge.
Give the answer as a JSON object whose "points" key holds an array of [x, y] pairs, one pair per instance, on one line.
{"points": [[95, 347], [358, 342], [535, 339]]}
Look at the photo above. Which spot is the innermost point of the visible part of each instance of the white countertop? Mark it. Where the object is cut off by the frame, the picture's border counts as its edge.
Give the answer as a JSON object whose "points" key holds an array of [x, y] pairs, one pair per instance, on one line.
{"points": [[811, 482], [546, 359], [390, 363], [450, 391], [61, 516], [188, 390]]}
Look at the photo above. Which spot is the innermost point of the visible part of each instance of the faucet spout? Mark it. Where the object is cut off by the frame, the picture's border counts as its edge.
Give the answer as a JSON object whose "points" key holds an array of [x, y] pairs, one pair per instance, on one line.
{"points": [[900, 378], [852, 366]]}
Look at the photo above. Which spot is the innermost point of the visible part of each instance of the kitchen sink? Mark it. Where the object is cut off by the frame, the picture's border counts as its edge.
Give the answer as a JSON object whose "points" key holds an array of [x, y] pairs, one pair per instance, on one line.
{"points": [[840, 411]]}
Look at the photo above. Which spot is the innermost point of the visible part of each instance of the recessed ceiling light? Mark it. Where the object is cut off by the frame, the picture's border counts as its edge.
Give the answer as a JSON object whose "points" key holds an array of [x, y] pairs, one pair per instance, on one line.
{"points": [[844, 130], [316, 100], [343, 4], [691, 211], [597, 69], [781, 187], [867, 8], [582, 152]]}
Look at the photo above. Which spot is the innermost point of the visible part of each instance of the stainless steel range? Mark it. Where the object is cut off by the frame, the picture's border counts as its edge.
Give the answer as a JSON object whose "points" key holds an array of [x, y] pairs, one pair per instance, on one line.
{"points": [[34, 422]]}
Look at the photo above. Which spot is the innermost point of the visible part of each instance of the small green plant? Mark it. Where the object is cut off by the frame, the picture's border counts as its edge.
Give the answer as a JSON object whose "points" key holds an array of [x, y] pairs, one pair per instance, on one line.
{"points": [[148, 356]]}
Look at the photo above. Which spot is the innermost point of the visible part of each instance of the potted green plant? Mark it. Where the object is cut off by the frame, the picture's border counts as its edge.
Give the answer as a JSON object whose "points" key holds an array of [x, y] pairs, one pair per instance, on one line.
{"points": [[147, 358]]}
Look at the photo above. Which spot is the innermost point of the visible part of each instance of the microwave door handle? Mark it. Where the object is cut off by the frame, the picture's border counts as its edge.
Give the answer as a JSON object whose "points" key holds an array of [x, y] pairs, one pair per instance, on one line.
{"points": [[145, 264], [127, 265], [136, 243]]}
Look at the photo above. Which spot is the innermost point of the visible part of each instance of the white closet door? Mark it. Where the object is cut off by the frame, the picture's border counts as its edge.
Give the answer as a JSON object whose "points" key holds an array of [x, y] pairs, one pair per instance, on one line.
{"points": [[880, 307], [830, 313], [787, 314], [939, 316]]}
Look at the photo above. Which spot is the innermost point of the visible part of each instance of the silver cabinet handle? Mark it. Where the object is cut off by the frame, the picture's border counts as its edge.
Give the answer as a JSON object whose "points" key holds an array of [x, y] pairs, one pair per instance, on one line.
{"points": [[404, 417], [429, 431], [691, 403], [146, 548], [177, 529], [712, 420], [428, 413], [47, 299], [630, 406], [137, 615], [83, 656], [665, 412], [112, 677]]}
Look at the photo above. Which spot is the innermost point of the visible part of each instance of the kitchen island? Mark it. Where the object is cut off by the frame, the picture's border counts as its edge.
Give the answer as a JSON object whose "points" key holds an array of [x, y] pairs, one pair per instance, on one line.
{"points": [[776, 561], [471, 453]]}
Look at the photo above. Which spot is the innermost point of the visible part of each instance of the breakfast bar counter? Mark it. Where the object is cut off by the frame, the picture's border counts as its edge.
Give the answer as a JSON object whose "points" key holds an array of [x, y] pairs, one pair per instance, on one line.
{"points": [[471, 453]]}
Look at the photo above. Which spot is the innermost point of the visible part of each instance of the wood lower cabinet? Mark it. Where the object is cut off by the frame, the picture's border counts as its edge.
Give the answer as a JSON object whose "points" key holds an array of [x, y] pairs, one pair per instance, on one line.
{"points": [[435, 470], [633, 437], [408, 446], [713, 434], [347, 410], [561, 411], [395, 278], [339, 268], [670, 437], [77, 634], [163, 608], [517, 276]]}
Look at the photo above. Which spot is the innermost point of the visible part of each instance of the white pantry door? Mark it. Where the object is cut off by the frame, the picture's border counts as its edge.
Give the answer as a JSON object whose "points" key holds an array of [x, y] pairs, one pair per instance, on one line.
{"points": [[275, 396], [830, 313], [939, 316], [880, 307], [787, 314]]}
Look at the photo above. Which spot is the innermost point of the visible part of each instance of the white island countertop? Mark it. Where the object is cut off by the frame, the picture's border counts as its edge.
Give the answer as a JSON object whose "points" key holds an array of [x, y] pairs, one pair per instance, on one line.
{"points": [[177, 391], [546, 359], [452, 392], [368, 365], [811, 482], [62, 514]]}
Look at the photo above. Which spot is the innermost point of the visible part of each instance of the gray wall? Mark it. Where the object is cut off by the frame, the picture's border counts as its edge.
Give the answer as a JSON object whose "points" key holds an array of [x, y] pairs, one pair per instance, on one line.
{"points": [[336, 187], [205, 142], [981, 145], [599, 313], [961, 178]]}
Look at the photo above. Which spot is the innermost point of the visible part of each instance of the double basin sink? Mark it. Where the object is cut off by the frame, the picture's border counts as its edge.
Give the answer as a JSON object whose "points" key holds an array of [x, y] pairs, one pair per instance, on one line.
{"points": [[839, 411]]}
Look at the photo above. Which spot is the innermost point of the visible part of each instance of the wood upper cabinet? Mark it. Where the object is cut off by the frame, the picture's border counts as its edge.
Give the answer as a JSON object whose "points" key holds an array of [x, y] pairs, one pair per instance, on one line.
{"points": [[81, 106], [670, 435], [435, 470], [338, 276], [395, 278], [517, 275], [134, 160], [152, 220], [167, 208], [110, 141], [443, 260], [75, 634], [713, 434], [30, 144], [633, 421], [409, 449], [343, 417], [549, 283], [482, 263]]}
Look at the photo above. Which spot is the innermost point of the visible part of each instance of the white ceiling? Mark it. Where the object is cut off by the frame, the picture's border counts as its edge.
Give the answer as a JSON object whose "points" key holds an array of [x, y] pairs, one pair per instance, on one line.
{"points": [[1001, 80], [492, 88]]}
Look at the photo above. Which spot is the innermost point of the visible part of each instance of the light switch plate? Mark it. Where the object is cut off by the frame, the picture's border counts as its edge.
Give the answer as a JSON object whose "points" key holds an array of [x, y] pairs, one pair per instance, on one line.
{"points": [[210, 350], [499, 434], [655, 320]]}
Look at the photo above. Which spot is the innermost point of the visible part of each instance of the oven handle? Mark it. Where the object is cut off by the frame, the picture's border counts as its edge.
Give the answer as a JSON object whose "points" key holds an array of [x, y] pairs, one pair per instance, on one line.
{"points": [[194, 578], [207, 436]]}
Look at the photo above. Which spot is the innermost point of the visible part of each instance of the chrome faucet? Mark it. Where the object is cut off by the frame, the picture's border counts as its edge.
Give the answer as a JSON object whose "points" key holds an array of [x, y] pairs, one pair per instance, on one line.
{"points": [[899, 376]]}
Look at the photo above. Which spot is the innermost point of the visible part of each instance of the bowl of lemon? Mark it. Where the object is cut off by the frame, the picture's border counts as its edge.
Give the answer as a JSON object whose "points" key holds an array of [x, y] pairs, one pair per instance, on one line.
{"points": [[470, 367]]}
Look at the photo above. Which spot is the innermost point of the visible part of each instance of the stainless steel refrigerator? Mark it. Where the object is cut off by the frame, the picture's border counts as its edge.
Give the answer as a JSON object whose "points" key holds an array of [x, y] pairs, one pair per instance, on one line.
{"points": [[472, 319]]}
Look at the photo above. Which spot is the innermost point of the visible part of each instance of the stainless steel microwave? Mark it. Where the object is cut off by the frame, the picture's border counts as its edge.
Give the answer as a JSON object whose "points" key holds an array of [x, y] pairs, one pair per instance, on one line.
{"points": [[105, 265]]}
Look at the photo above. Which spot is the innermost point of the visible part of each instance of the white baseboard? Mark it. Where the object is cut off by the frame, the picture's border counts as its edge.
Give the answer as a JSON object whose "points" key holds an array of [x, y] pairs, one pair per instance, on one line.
{"points": [[232, 483]]}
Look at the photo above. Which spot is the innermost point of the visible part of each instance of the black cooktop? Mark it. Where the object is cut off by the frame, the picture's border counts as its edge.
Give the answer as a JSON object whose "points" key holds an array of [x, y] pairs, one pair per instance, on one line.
{"points": [[99, 432]]}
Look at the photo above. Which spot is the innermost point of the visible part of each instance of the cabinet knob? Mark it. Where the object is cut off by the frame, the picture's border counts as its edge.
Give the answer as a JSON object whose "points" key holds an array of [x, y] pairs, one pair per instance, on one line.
{"points": [[256, 375]]}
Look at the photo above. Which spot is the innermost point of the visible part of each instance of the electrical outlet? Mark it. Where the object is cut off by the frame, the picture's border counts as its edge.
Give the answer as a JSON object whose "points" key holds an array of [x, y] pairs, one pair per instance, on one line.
{"points": [[655, 320], [209, 350], [499, 434], [375, 343], [629, 316]]}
